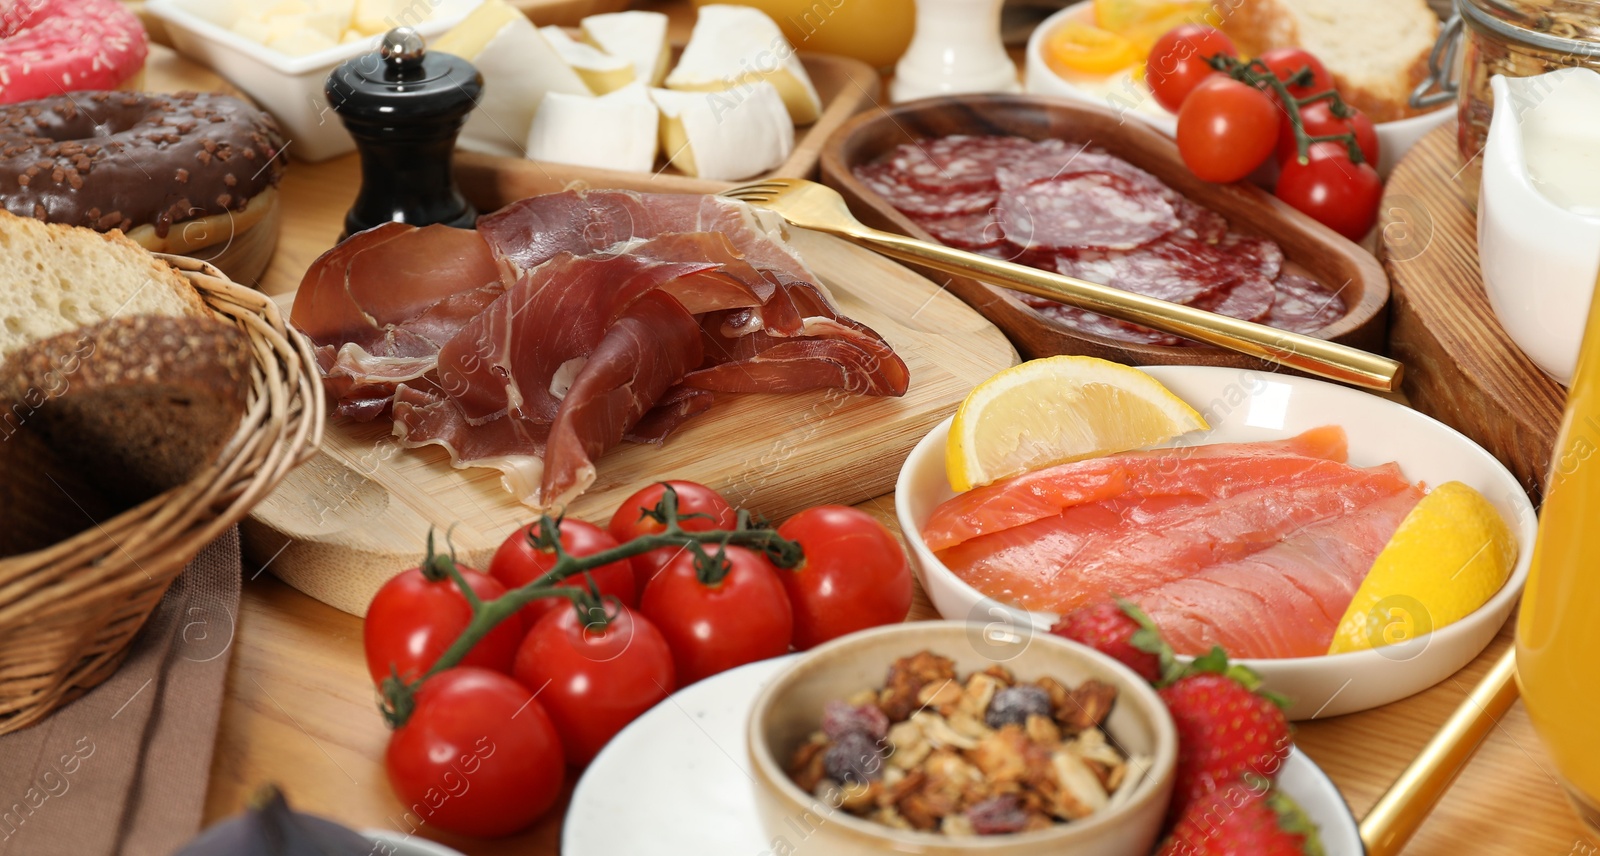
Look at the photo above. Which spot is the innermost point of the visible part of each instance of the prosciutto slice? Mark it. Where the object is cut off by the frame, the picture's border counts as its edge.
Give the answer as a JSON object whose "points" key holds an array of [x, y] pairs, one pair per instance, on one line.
{"points": [[568, 323], [824, 350], [529, 233], [380, 305]]}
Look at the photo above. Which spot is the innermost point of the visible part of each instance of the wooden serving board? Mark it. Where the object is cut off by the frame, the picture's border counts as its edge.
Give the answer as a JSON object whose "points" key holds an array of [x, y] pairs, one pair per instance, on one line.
{"points": [[1461, 366], [359, 512]]}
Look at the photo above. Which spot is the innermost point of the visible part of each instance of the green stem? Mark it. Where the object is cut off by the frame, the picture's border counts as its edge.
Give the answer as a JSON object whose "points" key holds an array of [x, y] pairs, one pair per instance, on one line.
{"points": [[487, 614], [1257, 74]]}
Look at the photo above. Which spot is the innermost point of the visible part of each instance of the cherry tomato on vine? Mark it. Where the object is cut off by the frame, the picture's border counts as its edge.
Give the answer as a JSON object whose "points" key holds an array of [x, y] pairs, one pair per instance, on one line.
{"points": [[1341, 195], [478, 755], [721, 615], [1318, 120], [854, 576], [413, 619], [1178, 62], [1226, 129], [693, 499], [518, 562], [1287, 62], [593, 680]]}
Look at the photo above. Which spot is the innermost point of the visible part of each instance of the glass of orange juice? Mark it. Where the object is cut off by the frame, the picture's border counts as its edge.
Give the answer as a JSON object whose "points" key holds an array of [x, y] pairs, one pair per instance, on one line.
{"points": [[1558, 631], [874, 31]]}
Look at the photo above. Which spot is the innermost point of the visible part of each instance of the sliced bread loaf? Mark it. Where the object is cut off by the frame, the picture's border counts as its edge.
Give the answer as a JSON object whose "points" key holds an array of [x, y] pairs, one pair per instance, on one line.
{"points": [[56, 278], [1376, 50]]}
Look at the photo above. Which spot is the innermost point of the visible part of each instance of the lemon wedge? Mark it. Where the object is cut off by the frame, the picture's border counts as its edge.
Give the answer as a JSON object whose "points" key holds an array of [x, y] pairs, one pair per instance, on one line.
{"points": [[1055, 410], [1447, 558]]}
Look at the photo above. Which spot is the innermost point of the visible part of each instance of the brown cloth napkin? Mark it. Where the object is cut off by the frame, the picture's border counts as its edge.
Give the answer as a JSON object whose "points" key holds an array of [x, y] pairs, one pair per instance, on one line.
{"points": [[123, 770]]}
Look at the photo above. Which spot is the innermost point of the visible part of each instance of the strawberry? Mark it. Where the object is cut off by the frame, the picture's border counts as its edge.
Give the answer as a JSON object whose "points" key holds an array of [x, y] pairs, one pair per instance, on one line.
{"points": [[1226, 730], [1121, 631], [1243, 818]]}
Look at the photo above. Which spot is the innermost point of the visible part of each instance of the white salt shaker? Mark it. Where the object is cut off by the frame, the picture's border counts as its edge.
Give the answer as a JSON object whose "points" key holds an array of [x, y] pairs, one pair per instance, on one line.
{"points": [[957, 48]]}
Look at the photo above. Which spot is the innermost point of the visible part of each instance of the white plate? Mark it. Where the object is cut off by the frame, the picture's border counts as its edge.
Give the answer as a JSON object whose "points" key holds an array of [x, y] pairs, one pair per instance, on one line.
{"points": [[1247, 406], [677, 781], [400, 844], [1394, 138]]}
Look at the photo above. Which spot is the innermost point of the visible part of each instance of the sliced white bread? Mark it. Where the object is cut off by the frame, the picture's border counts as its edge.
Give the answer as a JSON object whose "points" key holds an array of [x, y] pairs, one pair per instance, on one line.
{"points": [[56, 278], [1376, 50]]}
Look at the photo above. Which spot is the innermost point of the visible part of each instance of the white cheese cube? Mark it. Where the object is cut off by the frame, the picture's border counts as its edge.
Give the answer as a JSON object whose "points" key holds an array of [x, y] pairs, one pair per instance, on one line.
{"points": [[727, 135], [640, 37], [614, 131]]}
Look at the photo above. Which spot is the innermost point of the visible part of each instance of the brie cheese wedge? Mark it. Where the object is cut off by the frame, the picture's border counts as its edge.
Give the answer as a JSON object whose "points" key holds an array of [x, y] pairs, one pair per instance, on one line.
{"points": [[726, 135], [519, 67], [601, 71], [615, 131], [735, 45], [640, 37]]}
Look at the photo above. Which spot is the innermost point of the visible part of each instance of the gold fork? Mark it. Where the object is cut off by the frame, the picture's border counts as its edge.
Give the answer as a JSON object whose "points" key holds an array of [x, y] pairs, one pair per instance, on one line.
{"points": [[812, 206]]}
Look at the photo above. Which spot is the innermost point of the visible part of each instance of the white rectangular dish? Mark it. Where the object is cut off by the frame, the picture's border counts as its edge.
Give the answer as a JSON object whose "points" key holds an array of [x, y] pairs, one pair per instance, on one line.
{"points": [[288, 87]]}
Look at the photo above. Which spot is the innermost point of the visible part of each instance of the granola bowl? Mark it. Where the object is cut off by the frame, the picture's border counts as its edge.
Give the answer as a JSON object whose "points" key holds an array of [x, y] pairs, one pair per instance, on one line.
{"points": [[790, 711]]}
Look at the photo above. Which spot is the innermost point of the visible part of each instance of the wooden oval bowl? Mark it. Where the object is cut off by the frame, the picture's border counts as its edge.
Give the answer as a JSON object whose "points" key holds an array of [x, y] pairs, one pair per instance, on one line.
{"points": [[1310, 248]]}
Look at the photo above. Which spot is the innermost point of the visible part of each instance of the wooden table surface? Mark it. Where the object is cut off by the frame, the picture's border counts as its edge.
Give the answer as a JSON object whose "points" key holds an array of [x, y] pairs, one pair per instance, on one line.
{"points": [[300, 711]]}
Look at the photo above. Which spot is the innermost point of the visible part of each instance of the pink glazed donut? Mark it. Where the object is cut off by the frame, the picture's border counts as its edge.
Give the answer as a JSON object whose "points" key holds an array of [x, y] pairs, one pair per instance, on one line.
{"points": [[52, 47]]}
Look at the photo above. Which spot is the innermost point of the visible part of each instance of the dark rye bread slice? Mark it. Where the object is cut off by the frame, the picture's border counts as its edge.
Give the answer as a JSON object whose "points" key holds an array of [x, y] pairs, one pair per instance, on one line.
{"points": [[132, 406]]}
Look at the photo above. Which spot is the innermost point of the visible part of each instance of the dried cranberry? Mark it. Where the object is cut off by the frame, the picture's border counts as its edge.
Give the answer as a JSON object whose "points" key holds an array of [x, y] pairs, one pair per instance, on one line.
{"points": [[1013, 705], [855, 758], [998, 815], [840, 718]]}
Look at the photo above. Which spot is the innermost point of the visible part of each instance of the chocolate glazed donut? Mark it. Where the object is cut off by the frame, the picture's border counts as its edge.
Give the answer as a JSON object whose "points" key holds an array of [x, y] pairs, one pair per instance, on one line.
{"points": [[175, 172]]}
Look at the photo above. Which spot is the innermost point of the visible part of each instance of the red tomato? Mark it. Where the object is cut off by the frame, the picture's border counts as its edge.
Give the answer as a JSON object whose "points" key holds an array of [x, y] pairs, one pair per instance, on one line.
{"points": [[1179, 62], [854, 575], [1318, 120], [712, 627], [630, 522], [594, 680], [518, 562], [1339, 194], [478, 756], [1226, 129], [413, 619], [1287, 62]]}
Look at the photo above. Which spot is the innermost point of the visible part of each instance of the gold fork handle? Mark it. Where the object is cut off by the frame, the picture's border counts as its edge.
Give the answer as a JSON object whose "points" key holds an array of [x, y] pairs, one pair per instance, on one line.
{"points": [[1305, 353]]}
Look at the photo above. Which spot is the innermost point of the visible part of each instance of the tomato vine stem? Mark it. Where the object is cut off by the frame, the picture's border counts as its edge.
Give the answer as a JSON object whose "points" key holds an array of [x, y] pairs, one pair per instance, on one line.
{"points": [[397, 696], [1257, 74]]}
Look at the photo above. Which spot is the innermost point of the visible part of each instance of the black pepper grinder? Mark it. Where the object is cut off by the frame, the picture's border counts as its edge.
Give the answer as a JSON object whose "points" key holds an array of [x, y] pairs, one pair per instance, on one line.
{"points": [[404, 107]]}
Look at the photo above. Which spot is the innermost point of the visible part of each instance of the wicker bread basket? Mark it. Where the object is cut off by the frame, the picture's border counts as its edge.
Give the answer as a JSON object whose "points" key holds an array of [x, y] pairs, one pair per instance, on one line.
{"points": [[69, 612]]}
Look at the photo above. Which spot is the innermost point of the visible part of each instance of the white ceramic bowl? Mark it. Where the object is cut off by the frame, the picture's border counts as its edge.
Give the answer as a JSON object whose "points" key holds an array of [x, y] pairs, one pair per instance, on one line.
{"points": [[1539, 260], [288, 87], [1394, 138], [399, 844], [789, 709], [1244, 406]]}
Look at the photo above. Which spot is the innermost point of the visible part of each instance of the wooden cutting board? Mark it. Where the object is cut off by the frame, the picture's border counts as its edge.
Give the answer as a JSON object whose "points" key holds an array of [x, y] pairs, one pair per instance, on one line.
{"points": [[359, 512], [1461, 366]]}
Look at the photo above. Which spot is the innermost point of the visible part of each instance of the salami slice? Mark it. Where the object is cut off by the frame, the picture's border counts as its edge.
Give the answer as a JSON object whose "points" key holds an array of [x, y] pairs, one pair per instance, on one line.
{"points": [[959, 164], [1100, 325], [1304, 305], [1176, 269], [1090, 211], [1200, 223], [969, 231], [886, 181], [1065, 160], [1249, 299]]}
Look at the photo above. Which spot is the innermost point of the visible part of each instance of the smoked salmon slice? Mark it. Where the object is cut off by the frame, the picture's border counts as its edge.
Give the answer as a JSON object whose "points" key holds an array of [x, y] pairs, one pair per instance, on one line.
{"points": [[1215, 471], [1135, 542], [1284, 601]]}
